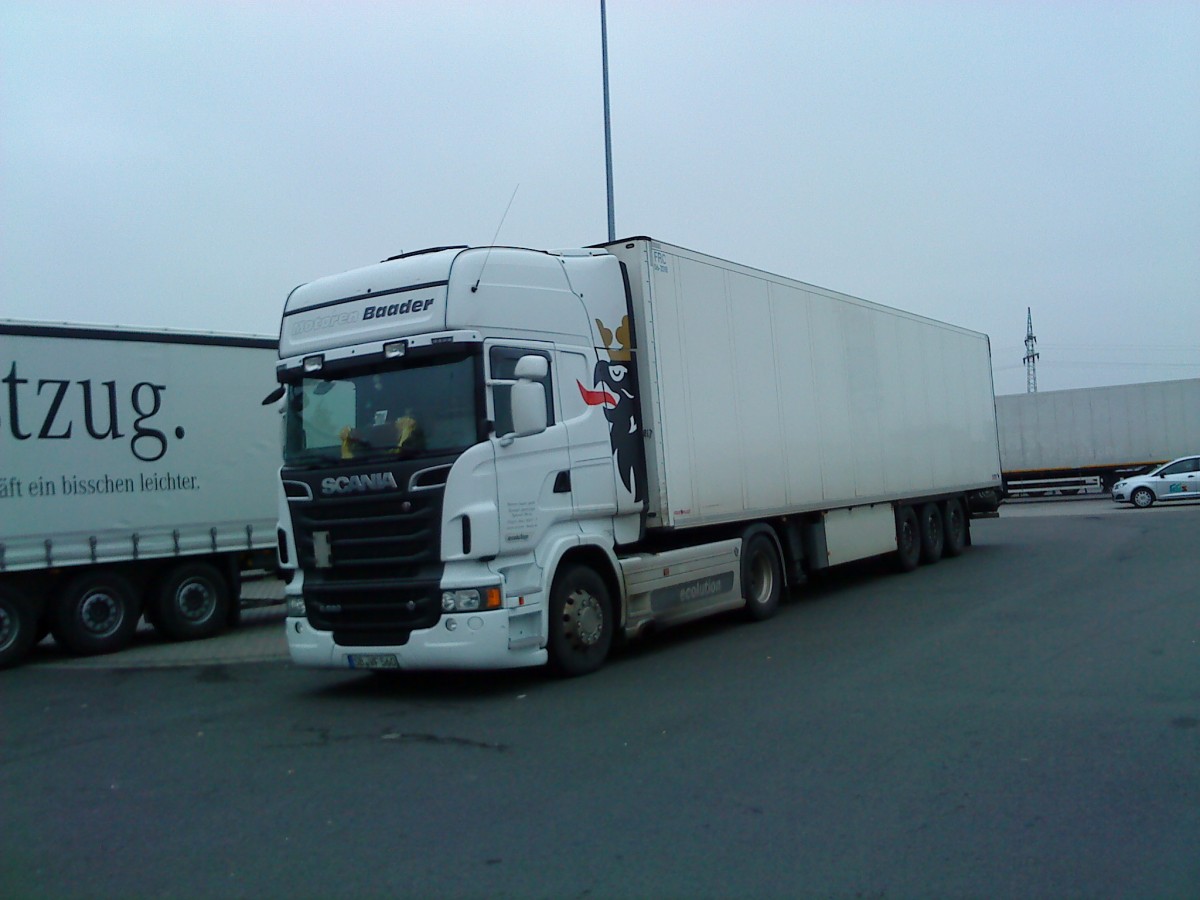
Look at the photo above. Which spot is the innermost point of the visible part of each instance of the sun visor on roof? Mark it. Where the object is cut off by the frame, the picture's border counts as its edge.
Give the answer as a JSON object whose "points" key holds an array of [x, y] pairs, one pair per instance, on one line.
{"points": [[392, 299]]}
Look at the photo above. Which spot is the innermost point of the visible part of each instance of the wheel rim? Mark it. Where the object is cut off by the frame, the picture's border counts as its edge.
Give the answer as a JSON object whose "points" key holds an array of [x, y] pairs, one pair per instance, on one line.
{"points": [[583, 619], [101, 614], [195, 600], [762, 579], [1142, 498], [910, 537]]}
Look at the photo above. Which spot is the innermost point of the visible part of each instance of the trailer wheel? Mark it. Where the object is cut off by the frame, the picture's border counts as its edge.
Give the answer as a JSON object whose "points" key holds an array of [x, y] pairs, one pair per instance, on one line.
{"points": [[18, 626], [955, 521], [908, 539], [191, 602], [581, 622], [1142, 498], [96, 612], [762, 576], [933, 533]]}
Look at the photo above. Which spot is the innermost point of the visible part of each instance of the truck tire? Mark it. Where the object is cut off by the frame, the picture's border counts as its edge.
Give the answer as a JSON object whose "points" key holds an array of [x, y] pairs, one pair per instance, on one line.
{"points": [[762, 576], [1142, 498], [933, 533], [955, 522], [581, 622], [908, 539], [191, 602], [18, 626], [96, 612]]}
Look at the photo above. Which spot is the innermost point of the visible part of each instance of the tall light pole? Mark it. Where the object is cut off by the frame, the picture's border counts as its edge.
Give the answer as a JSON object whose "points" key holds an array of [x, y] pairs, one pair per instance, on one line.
{"points": [[612, 226]]}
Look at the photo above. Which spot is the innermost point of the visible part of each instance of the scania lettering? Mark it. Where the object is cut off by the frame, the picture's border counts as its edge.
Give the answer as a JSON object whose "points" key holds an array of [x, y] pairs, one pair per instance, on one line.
{"points": [[345, 484], [551, 450]]}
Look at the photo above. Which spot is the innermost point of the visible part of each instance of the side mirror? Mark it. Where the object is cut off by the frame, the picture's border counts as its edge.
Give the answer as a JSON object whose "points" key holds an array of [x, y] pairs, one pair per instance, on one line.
{"points": [[528, 398], [532, 368]]}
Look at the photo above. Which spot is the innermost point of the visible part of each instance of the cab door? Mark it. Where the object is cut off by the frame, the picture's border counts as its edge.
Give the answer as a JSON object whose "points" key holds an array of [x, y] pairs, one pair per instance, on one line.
{"points": [[532, 472], [593, 485]]}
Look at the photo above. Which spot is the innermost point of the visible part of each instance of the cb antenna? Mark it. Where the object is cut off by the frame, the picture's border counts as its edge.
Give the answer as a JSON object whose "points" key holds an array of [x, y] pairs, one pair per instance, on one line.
{"points": [[475, 286]]}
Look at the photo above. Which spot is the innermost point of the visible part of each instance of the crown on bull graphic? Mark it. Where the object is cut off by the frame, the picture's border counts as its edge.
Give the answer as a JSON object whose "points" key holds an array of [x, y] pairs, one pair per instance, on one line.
{"points": [[623, 351]]}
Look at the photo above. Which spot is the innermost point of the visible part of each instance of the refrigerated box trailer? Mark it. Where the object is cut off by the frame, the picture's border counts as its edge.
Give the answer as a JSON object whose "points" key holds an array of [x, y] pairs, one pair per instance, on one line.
{"points": [[138, 475], [1089, 438], [505, 457]]}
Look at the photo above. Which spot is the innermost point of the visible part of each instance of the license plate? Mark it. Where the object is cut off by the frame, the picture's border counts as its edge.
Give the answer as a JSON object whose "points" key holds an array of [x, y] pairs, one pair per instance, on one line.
{"points": [[373, 661]]}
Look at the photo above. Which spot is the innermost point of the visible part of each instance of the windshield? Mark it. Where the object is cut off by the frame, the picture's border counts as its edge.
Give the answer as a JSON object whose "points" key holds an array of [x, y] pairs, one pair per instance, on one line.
{"points": [[418, 407]]}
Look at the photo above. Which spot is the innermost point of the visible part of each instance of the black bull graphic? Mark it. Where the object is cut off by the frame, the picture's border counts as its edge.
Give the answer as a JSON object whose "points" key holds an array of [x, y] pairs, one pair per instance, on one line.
{"points": [[616, 392]]}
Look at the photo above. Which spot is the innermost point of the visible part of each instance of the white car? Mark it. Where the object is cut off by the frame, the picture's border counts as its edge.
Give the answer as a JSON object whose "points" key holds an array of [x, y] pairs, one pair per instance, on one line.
{"points": [[1176, 480]]}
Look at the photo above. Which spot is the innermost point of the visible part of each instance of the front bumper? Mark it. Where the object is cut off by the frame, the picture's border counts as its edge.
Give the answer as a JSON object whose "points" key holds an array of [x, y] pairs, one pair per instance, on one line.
{"points": [[477, 640]]}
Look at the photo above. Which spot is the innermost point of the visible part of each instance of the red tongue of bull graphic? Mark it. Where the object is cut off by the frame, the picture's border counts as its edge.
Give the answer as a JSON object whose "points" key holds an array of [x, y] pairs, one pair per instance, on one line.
{"points": [[596, 398]]}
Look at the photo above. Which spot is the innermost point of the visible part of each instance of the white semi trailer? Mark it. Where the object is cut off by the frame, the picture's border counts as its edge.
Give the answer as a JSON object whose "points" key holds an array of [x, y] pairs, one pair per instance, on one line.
{"points": [[138, 476], [1089, 438], [503, 457]]}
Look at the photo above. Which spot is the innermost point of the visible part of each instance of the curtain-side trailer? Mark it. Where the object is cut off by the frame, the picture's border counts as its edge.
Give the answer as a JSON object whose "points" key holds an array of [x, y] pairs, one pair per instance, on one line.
{"points": [[138, 476], [505, 457]]}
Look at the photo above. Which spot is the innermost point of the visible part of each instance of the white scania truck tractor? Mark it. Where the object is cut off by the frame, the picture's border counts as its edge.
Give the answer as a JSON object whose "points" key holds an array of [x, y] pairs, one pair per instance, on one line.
{"points": [[499, 457]]}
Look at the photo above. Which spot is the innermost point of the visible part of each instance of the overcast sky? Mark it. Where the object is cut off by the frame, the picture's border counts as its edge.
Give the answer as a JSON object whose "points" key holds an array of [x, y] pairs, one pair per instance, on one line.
{"points": [[185, 164]]}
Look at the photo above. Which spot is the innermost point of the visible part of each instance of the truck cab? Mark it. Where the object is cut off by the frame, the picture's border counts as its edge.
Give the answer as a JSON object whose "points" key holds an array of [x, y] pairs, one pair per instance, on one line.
{"points": [[447, 444]]}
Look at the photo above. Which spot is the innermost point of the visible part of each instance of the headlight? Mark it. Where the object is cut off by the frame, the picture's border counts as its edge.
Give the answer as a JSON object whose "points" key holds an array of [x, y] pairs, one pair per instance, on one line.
{"points": [[295, 605], [471, 599]]}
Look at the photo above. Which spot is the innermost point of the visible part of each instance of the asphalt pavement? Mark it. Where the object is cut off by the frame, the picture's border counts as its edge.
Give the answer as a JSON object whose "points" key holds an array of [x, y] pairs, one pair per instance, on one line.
{"points": [[1021, 721]]}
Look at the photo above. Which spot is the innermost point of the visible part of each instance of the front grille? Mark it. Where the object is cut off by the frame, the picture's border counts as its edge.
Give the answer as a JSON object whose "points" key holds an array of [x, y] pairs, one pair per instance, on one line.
{"points": [[371, 561], [369, 533], [361, 613]]}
